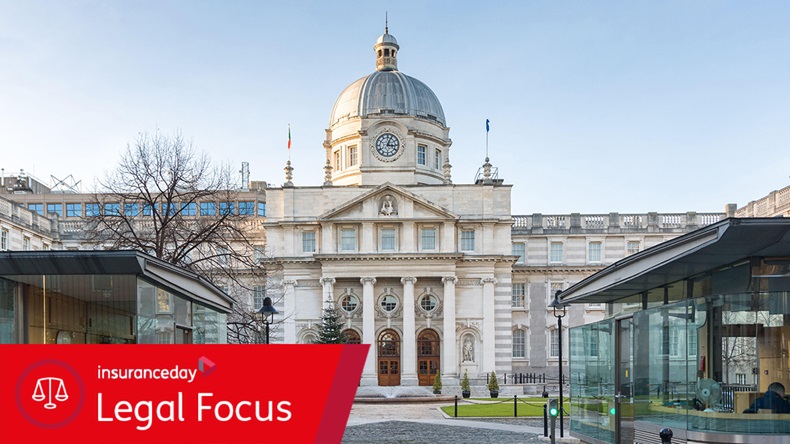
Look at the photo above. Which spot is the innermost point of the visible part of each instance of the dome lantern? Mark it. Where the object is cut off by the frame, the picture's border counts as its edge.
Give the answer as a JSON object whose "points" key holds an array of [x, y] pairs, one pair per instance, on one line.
{"points": [[386, 49]]}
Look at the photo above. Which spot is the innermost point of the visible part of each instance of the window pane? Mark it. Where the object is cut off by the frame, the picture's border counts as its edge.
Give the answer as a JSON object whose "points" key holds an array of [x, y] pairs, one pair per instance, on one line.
{"points": [[38, 208], [131, 209], [259, 292], [189, 209], [261, 209], [55, 208], [518, 295], [73, 210], [428, 237], [208, 208], [420, 155], [352, 156], [555, 254], [519, 249], [308, 241], [519, 344], [633, 247], [595, 252], [348, 239], [467, 240], [92, 210], [388, 239], [247, 208], [226, 208], [555, 344]]}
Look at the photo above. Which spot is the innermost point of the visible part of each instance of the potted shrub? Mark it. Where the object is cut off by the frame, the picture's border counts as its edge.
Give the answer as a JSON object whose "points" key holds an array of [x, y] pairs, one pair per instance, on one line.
{"points": [[465, 390], [437, 383], [493, 385]]}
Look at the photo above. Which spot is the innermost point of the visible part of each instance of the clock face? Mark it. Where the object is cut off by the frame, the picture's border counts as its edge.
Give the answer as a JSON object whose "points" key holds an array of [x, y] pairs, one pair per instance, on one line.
{"points": [[387, 145]]}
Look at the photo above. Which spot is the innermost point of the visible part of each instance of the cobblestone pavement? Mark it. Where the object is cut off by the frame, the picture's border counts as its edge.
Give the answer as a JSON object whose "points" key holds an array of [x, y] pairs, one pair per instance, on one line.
{"points": [[424, 423]]}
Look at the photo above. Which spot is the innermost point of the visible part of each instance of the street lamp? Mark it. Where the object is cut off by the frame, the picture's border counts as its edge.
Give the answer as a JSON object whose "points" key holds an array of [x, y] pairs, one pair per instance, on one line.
{"points": [[559, 313], [266, 314]]}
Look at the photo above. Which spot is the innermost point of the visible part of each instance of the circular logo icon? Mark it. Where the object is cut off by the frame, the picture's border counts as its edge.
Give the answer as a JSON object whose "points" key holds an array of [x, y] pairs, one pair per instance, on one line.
{"points": [[50, 394]]}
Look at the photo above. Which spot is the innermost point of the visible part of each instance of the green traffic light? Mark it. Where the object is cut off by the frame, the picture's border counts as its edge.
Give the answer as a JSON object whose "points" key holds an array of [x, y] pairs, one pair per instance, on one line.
{"points": [[553, 412], [612, 411]]}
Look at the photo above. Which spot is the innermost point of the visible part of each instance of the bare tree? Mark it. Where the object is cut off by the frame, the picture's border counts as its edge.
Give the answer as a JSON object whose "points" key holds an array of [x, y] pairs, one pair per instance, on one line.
{"points": [[169, 200]]}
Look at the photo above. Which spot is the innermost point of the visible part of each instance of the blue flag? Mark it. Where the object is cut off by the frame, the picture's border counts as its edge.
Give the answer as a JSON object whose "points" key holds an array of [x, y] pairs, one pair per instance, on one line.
{"points": [[487, 128]]}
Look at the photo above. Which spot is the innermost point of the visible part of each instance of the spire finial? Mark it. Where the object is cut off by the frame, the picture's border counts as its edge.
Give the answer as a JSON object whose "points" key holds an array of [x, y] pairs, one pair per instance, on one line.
{"points": [[386, 23]]}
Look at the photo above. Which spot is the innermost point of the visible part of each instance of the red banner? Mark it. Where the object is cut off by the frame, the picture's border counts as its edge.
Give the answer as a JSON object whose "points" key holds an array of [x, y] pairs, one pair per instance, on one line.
{"points": [[177, 393]]}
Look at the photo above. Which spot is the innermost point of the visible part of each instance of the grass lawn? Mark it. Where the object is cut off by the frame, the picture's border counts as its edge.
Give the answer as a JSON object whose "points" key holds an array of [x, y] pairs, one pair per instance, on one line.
{"points": [[526, 407]]}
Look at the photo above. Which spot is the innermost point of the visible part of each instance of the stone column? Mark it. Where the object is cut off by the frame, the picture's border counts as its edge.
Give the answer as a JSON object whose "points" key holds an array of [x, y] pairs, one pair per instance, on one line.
{"points": [[489, 357], [369, 372], [409, 347], [449, 347], [328, 294], [289, 305]]}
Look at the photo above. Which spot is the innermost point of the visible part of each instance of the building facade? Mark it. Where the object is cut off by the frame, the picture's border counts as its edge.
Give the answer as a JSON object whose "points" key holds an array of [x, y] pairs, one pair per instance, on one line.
{"points": [[435, 275]]}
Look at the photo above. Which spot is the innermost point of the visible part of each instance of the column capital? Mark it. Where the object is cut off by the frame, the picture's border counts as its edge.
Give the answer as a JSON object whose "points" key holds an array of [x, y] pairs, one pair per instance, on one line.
{"points": [[450, 280], [367, 280], [488, 280], [328, 280], [412, 280]]}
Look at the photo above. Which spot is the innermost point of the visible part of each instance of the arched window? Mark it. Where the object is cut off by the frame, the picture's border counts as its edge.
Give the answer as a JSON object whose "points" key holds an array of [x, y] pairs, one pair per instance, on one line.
{"points": [[352, 337]]}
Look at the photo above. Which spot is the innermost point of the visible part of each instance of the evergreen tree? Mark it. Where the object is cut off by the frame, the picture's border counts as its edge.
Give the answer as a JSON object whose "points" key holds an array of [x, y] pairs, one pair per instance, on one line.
{"points": [[331, 329]]}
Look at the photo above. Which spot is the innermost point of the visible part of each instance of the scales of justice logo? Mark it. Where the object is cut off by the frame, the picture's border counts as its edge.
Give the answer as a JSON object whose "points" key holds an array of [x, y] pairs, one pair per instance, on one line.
{"points": [[50, 394]]}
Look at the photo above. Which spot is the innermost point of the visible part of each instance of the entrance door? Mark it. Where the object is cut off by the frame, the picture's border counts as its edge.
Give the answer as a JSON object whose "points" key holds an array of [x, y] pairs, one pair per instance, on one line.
{"points": [[624, 382], [389, 358], [427, 356]]}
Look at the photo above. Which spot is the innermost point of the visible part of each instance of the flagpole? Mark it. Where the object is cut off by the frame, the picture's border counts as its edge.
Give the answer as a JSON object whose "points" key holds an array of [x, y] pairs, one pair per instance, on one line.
{"points": [[487, 139], [289, 142]]}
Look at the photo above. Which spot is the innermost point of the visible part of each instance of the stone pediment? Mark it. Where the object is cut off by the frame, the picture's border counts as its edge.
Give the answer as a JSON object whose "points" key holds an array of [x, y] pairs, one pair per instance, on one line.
{"points": [[388, 201]]}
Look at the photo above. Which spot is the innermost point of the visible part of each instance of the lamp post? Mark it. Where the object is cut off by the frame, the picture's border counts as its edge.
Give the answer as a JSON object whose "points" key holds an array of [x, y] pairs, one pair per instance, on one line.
{"points": [[266, 314], [559, 313]]}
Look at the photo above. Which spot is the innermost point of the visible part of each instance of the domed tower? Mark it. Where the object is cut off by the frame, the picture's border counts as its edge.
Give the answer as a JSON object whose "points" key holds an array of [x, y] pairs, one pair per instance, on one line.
{"points": [[388, 127]]}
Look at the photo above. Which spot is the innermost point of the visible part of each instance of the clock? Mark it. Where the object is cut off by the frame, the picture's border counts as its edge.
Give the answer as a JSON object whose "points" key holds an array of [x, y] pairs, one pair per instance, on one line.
{"points": [[387, 145]]}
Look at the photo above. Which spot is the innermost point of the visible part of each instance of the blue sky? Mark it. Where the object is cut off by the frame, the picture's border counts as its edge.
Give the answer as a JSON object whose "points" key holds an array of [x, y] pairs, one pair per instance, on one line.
{"points": [[595, 107]]}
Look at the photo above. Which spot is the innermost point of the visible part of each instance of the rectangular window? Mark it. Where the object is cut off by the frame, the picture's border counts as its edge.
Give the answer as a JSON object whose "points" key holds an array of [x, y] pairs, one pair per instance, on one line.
{"points": [[555, 344], [38, 208], [112, 209], [247, 208], [555, 252], [262, 209], [308, 241], [338, 166], [226, 208], [258, 292], [189, 209], [594, 252], [519, 293], [633, 247], [553, 289], [519, 344], [351, 157], [519, 249], [131, 209], [4, 240], [428, 238], [348, 239], [26, 243], [388, 239], [73, 210], [692, 345], [437, 158], [92, 210], [208, 208], [467, 240], [55, 208], [421, 154], [740, 378]]}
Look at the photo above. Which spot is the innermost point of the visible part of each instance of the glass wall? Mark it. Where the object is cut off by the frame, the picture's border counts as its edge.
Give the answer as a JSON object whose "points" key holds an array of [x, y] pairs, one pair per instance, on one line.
{"points": [[699, 365], [592, 380]]}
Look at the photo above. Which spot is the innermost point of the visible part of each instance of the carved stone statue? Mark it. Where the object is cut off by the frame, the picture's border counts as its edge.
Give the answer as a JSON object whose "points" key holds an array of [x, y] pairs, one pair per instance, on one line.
{"points": [[387, 208], [469, 350]]}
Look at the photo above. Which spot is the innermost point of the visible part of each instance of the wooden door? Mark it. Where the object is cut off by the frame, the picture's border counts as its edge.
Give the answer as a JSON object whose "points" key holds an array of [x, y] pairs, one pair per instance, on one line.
{"points": [[389, 358], [428, 347]]}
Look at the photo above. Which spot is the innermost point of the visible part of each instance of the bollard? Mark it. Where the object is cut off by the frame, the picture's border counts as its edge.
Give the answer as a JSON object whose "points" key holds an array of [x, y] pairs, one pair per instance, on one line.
{"points": [[515, 406], [456, 406], [666, 435], [546, 420]]}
